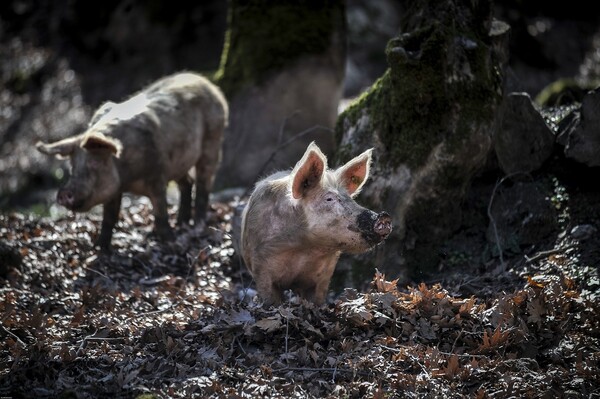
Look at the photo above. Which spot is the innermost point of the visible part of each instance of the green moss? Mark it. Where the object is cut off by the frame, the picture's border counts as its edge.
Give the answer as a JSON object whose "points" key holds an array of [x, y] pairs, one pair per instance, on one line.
{"points": [[564, 91], [265, 36], [417, 103], [443, 85]]}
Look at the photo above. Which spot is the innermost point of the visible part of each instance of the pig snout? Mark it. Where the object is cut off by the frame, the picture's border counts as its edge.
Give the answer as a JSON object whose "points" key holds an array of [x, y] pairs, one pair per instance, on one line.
{"points": [[65, 198], [374, 227], [383, 225]]}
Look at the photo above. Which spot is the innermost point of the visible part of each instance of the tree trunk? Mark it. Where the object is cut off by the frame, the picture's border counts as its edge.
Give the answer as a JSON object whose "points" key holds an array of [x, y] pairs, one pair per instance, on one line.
{"points": [[281, 70], [430, 118]]}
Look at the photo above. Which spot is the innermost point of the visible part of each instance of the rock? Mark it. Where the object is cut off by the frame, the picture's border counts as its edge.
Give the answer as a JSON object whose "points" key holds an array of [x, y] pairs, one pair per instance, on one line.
{"points": [[583, 231], [523, 215], [524, 141], [582, 143]]}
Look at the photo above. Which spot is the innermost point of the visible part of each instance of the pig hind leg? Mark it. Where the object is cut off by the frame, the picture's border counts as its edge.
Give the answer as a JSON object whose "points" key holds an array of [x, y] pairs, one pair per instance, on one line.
{"points": [[206, 168], [185, 203]]}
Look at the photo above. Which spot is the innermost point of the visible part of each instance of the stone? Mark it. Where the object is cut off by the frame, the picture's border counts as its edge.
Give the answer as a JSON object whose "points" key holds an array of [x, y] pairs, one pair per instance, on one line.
{"points": [[582, 143], [524, 141]]}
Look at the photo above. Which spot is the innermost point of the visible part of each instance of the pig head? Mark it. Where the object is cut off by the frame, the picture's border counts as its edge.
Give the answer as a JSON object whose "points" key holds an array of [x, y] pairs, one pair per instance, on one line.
{"points": [[94, 177], [296, 224]]}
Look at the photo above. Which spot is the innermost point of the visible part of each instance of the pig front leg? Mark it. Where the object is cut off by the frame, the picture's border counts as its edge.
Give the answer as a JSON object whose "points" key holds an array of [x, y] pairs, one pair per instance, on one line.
{"points": [[110, 217], [320, 293], [267, 290], [315, 290], [161, 216]]}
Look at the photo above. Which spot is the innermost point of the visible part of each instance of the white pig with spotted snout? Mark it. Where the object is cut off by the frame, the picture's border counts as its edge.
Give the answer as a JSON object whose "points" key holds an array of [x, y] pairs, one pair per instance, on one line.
{"points": [[296, 224]]}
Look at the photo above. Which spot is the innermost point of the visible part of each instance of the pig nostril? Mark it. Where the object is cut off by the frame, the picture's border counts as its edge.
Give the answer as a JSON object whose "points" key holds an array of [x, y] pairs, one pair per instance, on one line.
{"points": [[65, 198], [383, 224]]}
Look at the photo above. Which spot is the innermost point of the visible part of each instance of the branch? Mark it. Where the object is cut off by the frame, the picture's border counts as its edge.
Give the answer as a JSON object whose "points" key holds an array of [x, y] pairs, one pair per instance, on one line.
{"points": [[281, 145], [545, 254], [489, 213], [323, 370], [15, 337]]}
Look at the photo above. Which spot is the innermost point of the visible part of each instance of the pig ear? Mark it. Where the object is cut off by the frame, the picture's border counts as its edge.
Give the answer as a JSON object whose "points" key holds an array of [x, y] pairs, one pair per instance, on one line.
{"points": [[308, 172], [62, 148], [355, 173], [98, 142], [103, 110]]}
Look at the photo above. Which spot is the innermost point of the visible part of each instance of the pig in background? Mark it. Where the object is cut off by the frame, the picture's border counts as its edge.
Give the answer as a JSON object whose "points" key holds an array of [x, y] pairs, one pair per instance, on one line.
{"points": [[296, 224], [141, 144]]}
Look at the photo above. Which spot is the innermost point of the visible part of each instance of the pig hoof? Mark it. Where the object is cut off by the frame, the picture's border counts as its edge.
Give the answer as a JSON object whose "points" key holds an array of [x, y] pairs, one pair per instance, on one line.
{"points": [[104, 250], [164, 236]]}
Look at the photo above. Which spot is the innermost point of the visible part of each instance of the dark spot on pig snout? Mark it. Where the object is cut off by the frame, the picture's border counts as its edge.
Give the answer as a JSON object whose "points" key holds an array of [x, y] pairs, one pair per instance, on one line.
{"points": [[373, 227]]}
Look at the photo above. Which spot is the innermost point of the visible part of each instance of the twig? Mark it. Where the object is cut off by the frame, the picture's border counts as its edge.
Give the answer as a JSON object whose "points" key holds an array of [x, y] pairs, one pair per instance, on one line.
{"points": [[489, 212], [6, 331], [461, 354], [153, 312], [456, 340], [281, 146], [98, 272], [91, 337], [544, 254], [115, 339], [322, 370], [236, 339], [287, 335]]}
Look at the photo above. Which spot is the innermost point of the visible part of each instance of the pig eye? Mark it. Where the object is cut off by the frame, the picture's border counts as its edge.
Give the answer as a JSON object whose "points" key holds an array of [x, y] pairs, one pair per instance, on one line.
{"points": [[329, 198]]}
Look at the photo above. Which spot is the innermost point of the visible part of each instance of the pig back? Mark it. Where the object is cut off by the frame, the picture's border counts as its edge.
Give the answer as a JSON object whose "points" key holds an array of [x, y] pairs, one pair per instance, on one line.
{"points": [[162, 129], [189, 108]]}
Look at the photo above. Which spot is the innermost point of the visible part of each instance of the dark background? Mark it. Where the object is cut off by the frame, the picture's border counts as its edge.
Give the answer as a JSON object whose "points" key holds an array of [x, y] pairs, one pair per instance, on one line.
{"points": [[60, 59]]}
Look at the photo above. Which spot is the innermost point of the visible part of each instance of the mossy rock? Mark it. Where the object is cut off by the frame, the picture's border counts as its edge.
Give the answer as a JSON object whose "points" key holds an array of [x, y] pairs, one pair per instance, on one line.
{"points": [[430, 118]]}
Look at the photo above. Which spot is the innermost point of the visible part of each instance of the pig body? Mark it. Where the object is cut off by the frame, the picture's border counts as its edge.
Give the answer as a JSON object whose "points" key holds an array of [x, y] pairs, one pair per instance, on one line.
{"points": [[296, 224], [141, 144]]}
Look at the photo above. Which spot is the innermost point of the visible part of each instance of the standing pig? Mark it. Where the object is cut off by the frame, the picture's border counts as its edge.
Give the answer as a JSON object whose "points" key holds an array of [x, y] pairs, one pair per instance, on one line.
{"points": [[141, 144], [296, 224]]}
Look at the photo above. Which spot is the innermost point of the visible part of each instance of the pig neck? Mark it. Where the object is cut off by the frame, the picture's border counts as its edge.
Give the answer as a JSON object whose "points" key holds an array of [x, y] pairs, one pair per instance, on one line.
{"points": [[140, 166]]}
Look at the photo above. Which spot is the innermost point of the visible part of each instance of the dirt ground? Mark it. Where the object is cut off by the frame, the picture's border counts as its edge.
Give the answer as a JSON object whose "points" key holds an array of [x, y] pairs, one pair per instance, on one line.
{"points": [[179, 320]]}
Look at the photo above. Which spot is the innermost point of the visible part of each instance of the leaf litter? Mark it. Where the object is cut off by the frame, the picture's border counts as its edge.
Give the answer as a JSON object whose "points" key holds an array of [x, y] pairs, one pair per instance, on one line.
{"points": [[172, 321]]}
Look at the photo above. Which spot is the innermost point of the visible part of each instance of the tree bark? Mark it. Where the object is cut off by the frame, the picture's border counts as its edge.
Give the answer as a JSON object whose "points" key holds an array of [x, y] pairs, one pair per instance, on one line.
{"points": [[282, 70], [430, 118]]}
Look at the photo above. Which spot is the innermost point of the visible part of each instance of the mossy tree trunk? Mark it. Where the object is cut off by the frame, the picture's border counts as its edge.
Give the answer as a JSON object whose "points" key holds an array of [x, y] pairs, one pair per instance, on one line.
{"points": [[430, 118], [281, 69]]}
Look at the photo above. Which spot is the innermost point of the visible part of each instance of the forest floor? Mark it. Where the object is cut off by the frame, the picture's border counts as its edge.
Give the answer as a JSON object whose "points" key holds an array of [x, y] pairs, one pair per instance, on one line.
{"points": [[172, 320]]}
